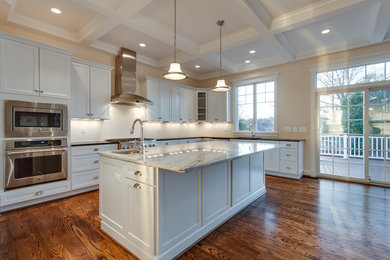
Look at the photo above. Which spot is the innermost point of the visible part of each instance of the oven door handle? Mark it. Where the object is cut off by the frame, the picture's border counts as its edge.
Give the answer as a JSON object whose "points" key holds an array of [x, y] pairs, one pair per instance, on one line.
{"points": [[37, 151]]}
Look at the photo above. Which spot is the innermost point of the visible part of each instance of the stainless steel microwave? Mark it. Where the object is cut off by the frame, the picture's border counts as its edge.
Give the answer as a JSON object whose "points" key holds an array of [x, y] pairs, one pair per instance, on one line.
{"points": [[32, 119]]}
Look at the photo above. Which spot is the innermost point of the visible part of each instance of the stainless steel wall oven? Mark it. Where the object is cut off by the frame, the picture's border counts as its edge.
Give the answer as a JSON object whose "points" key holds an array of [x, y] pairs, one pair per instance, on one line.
{"points": [[31, 162], [32, 119]]}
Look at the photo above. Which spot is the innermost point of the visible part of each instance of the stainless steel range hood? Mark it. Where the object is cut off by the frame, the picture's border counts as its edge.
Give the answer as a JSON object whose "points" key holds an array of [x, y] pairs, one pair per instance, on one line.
{"points": [[125, 80]]}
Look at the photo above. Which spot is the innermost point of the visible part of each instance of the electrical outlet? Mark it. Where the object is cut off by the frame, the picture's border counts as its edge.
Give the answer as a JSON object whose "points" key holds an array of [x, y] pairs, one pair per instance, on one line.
{"points": [[294, 129], [287, 129], [302, 129], [83, 130]]}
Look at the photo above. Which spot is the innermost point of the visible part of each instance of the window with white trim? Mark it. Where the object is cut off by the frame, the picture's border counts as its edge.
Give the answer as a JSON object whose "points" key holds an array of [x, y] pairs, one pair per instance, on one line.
{"points": [[255, 107], [358, 74]]}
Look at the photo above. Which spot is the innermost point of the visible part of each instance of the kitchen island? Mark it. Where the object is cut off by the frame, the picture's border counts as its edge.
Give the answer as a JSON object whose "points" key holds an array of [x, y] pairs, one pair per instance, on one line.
{"points": [[160, 202]]}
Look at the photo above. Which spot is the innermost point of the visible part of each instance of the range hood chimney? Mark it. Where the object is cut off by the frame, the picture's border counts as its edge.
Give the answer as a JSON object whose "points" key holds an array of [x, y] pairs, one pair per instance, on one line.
{"points": [[125, 80]]}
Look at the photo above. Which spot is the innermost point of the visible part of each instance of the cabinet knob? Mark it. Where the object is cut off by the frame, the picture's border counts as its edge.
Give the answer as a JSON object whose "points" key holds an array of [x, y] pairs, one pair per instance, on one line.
{"points": [[96, 161], [96, 149], [288, 154], [38, 193], [288, 145], [36, 90], [159, 117], [138, 173], [137, 186], [95, 178], [288, 167], [180, 118], [41, 91]]}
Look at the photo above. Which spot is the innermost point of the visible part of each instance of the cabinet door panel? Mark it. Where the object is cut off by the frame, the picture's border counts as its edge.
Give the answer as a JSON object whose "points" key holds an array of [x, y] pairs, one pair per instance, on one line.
{"points": [[152, 89], [191, 105], [257, 172], [216, 190], [164, 103], [54, 74], [218, 106], [80, 91], [240, 179], [100, 93], [175, 104], [272, 158], [140, 215], [184, 103], [19, 68]]}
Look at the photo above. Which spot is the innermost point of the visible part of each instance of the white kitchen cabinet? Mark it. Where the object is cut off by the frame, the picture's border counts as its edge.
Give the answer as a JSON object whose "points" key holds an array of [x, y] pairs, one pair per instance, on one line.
{"points": [[184, 105], [54, 74], [191, 105], [31, 68], [272, 158], [257, 179], [164, 103], [91, 90], [240, 179], [152, 88], [175, 104], [218, 106], [19, 59], [85, 164]]}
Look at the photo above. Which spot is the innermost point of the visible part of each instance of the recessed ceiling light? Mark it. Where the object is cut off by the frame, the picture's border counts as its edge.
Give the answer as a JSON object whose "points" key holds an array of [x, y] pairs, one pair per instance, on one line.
{"points": [[197, 66], [247, 61], [325, 31], [252, 51], [142, 44], [56, 10]]}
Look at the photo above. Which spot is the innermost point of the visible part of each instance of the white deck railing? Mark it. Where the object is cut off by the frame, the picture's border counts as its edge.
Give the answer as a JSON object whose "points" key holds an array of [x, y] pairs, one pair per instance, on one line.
{"points": [[344, 145]]}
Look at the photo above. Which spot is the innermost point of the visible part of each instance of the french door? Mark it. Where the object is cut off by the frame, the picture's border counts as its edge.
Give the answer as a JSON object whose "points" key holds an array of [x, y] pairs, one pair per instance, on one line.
{"points": [[354, 135]]}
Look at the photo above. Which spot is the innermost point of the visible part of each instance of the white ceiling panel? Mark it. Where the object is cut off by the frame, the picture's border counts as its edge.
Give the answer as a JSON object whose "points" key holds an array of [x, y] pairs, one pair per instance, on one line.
{"points": [[279, 7], [343, 29], [123, 36], [72, 18], [204, 67]]}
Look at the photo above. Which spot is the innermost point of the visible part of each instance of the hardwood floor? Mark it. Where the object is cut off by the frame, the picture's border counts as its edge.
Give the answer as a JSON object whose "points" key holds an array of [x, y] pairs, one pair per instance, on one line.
{"points": [[307, 219]]}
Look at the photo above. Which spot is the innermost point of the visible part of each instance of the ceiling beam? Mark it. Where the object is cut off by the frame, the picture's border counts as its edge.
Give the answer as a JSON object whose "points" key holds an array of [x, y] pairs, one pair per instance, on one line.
{"points": [[378, 23], [281, 44], [313, 13]]}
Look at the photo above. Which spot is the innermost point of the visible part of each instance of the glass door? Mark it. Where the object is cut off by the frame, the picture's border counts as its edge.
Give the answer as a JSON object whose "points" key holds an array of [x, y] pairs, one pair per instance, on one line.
{"points": [[342, 134], [379, 132]]}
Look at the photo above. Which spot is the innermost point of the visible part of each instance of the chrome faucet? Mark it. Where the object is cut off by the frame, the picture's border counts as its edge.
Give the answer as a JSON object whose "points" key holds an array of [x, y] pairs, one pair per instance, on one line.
{"points": [[142, 133]]}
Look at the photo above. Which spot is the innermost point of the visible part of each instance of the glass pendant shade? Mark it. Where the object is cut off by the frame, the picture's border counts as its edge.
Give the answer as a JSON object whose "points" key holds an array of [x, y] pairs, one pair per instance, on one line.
{"points": [[221, 86], [175, 72]]}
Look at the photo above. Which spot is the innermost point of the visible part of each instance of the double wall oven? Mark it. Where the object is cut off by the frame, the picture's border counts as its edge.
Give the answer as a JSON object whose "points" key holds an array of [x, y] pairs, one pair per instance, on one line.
{"points": [[37, 152]]}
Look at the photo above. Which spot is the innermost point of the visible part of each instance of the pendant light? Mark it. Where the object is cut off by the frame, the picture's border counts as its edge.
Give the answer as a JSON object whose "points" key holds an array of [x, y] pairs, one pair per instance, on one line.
{"points": [[175, 72], [221, 84]]}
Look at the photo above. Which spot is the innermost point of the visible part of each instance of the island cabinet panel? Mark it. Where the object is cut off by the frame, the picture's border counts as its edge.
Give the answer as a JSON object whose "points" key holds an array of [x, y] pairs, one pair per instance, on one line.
{"points": [[216, 191], [113, 196], [179, 207], [140, 215], [257, 180], [240, 180]]}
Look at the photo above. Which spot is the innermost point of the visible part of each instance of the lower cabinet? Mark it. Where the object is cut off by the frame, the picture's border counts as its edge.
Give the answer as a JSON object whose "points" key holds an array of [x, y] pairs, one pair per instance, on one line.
{"points": [[157, 213], [85, 164]]}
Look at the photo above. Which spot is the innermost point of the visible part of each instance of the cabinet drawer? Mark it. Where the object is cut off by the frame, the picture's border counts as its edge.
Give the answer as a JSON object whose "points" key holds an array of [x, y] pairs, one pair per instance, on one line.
{"points": [[34, 192], [288, 154], [288, 167], [139, 173], [85, 162], [85, 179], [93, 149], [290, 144]]}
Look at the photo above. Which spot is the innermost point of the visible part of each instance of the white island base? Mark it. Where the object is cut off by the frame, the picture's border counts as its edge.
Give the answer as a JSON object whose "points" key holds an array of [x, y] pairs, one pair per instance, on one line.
{"points": [[158, 214]]}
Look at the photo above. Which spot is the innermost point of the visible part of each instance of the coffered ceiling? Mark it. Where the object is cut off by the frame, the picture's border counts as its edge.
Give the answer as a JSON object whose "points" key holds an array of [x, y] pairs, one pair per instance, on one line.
{"points": [[279, 31]]}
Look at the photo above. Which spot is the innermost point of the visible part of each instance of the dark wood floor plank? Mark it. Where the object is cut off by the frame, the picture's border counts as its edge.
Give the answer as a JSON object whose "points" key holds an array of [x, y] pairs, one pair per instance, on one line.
{"points": [[306, 219]]}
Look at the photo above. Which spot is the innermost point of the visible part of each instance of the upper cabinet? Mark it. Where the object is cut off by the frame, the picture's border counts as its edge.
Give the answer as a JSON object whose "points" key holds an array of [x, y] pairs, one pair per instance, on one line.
{"points": [[45, 70], [218, 106], [91, 90], [180, 103]]}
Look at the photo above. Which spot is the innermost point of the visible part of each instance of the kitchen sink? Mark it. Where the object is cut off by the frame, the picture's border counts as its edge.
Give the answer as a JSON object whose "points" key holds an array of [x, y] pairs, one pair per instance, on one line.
{"points": [[127, 151]]}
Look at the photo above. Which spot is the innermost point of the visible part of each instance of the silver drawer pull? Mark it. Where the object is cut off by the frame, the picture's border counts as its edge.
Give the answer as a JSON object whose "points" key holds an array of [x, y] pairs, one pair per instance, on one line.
{"points": [[137, 186], [288, 167], [288, 154], [95, 178], [288, 144], [96, 149], [96, 161], [38, 193], [138, 173]]}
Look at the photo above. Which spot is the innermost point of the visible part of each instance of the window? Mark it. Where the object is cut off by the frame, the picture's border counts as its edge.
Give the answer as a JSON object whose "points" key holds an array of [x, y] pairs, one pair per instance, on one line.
{"points": [[255, 107], [373, 72]]}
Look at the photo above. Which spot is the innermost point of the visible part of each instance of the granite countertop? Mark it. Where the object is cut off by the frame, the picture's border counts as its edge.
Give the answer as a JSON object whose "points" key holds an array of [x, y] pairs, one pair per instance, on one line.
{"points": [[183, 157]]}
